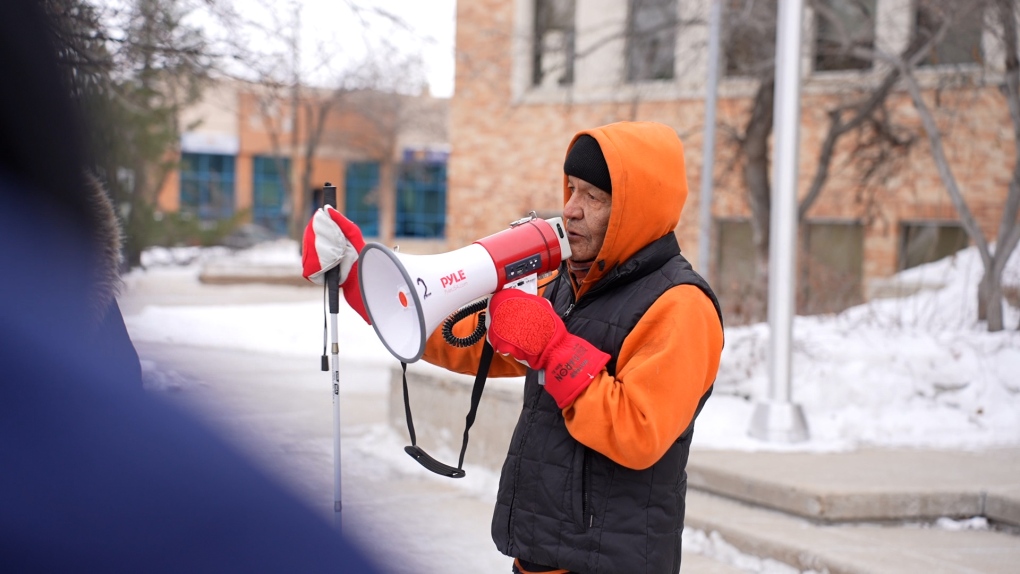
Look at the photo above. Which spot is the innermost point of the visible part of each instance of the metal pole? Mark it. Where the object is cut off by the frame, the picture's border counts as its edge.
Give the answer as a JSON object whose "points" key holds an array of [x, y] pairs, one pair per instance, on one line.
{"points": [[333, 287], [779, 419], [708, 153]]}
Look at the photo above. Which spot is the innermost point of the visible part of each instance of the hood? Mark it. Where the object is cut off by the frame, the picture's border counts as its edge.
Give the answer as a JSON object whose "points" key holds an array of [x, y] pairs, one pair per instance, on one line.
{"points": [[646, 166], [106, 237]]}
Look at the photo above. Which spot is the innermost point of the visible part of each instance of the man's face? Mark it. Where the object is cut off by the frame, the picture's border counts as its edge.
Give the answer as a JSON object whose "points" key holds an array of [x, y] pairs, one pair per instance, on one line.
{"points": [[587, 218]]}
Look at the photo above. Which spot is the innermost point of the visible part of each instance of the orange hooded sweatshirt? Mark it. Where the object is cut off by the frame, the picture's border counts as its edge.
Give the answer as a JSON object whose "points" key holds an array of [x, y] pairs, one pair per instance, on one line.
{"points": [[671, 357]]}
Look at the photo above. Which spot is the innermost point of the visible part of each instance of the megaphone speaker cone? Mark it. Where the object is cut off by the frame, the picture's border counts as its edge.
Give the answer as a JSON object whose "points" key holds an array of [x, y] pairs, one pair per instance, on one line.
{"points": [[408, 296]]}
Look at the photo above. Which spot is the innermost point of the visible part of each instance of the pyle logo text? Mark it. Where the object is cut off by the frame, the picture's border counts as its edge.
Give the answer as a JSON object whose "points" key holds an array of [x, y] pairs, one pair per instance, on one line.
{"points": [[453, 278]]}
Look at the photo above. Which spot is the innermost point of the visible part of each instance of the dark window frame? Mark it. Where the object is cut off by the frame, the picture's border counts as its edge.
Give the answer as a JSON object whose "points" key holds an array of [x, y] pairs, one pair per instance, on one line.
{"points": [[553, 22], [421, 200], [270, 203], [859, 18], [943, 244], [361, 195], [207, 185], [651, 37], [962, 45], [749, 49]]}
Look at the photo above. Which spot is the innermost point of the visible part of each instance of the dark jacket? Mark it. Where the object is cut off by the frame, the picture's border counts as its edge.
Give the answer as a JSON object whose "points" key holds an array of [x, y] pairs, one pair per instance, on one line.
{"points": [[561, 503]]}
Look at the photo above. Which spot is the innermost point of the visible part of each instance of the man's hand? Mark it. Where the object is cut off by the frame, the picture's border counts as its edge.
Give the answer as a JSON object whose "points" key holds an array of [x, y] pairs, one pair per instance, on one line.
{"points": [[332, 240], [527, 328]]}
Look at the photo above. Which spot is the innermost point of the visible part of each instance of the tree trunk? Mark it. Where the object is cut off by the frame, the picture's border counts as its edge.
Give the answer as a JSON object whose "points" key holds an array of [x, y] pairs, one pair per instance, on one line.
{"points": [[138, 227], [387, 200], [755, 148], [315, 122], [1009, 229]]}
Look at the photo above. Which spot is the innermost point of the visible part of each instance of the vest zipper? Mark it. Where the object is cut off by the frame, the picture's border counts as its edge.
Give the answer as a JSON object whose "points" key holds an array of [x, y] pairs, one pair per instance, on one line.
{"points": [[586, 491], [569, 310], [517, 472]]}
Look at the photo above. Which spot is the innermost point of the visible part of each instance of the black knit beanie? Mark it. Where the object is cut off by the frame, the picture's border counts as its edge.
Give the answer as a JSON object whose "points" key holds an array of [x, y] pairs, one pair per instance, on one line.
{"points": [[585, 161]]}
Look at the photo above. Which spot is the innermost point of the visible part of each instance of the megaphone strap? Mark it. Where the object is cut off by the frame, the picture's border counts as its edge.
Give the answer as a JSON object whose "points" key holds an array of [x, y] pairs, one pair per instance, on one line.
{"points": [[418, 453]]}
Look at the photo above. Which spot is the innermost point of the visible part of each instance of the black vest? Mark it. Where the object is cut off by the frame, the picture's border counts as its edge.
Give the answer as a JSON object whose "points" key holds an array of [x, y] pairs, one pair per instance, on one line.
{"points": [[562, 504]]}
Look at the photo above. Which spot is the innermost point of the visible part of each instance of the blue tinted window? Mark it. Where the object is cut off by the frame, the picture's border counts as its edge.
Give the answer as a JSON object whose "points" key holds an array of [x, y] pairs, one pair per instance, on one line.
{"points": [[421, 200], [361, 196], [207, 185], [270, 205]]}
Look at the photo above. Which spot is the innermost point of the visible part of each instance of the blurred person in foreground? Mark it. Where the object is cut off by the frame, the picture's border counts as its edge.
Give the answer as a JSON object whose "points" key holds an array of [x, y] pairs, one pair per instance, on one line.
{"points": [[97, 475], [619, 353]]}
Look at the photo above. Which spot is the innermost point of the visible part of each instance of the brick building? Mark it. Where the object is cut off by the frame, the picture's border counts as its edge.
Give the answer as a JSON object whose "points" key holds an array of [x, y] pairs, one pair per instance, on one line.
{"points": [[246, 154], [530, 73]]}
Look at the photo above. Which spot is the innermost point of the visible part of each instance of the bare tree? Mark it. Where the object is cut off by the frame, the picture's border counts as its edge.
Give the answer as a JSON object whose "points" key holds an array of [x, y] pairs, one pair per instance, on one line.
{"points": [[880, 144], [382, 95], [296, 105], [994, 261]]}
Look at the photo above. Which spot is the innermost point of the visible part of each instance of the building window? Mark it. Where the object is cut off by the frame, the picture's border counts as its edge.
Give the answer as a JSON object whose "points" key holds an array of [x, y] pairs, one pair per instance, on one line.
{"points": [[421, 200], [361, 196], [927, 241], [749, 41], [734, 271], [962, 42], [553, 49], [651, 39], [842, 25], [207, 185], [831, 267], [270, 205]]}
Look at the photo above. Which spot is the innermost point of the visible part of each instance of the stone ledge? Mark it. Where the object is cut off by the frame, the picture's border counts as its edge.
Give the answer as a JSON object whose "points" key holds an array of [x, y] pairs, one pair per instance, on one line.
{"points": [[1004, 505], [837, 505], [867, 485], [226, 274], [859, 486]]}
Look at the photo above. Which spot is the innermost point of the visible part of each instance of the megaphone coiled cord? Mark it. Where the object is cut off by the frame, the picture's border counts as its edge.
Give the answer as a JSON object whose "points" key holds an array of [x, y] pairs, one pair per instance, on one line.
{"points": [[460, 315]]}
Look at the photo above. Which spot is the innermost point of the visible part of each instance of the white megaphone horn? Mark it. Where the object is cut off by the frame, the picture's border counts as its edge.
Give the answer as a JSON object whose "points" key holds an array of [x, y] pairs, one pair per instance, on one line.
{"points": [[408, 296]]}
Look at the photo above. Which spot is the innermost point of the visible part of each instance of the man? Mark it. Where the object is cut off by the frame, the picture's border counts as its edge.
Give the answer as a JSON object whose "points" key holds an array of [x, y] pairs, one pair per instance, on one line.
{"points": [[621, 348]]}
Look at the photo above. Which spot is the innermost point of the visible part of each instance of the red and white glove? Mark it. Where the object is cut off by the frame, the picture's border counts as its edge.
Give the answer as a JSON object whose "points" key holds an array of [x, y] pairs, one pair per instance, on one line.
{"points": [[332, 240], [527, 328]]}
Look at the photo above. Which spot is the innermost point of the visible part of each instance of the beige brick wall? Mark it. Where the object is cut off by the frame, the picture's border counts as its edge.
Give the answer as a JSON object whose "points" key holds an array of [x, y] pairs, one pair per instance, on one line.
{"points": [[507, 154]]}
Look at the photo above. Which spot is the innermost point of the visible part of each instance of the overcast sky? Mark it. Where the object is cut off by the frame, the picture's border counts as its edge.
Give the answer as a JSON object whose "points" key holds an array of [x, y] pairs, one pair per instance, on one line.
{"points": [[431, 23], [331, 33]]}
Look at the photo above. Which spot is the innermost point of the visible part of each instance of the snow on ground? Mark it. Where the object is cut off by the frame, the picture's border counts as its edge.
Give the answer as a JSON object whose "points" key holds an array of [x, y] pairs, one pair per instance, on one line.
{"points": [[915, 371]]}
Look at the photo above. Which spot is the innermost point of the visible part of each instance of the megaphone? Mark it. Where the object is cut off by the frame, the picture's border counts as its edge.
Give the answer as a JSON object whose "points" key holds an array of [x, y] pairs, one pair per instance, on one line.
{"points": [[408, 296]]}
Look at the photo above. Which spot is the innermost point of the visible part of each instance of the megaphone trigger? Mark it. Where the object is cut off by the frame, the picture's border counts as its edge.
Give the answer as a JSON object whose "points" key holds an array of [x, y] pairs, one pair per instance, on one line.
{"points": [[527, 284]]}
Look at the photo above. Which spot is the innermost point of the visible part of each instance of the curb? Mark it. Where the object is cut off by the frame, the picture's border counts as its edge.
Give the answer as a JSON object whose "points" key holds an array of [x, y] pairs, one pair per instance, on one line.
{"points": [[862, 486]]}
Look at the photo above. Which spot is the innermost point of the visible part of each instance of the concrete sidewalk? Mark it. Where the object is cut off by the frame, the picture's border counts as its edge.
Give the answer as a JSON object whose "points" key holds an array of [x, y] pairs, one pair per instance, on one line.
{"points": [[866, 511], [852, 548], [863, 511]]}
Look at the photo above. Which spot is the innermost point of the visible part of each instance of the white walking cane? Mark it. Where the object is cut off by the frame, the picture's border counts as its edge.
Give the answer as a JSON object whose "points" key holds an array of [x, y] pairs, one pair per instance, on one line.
{"points": [[333, 288]]}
